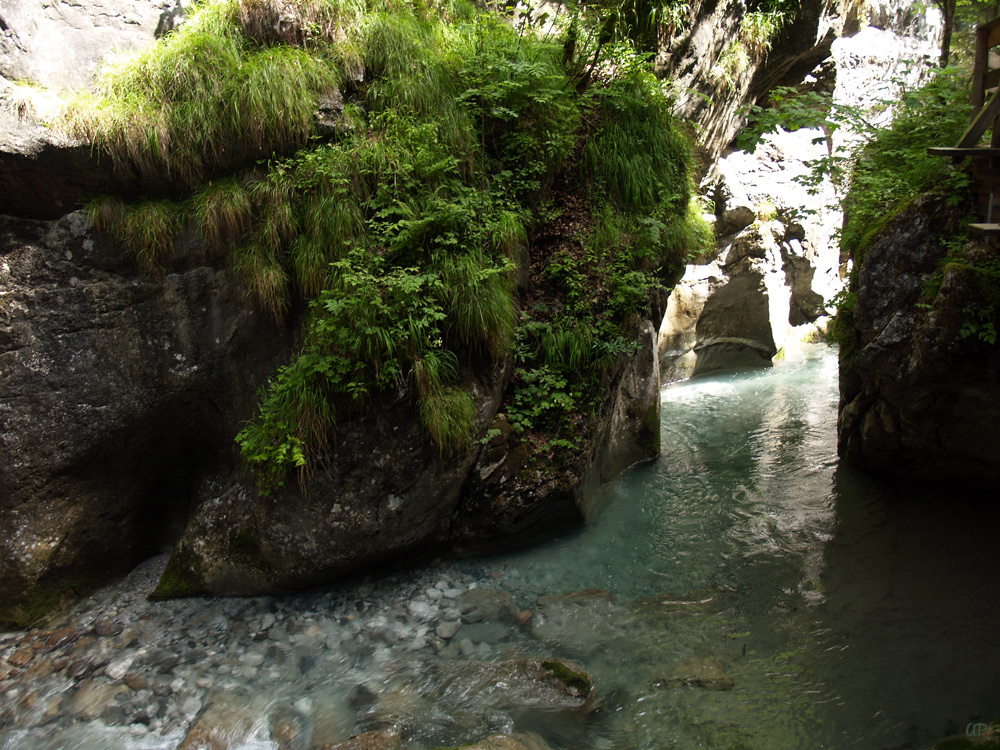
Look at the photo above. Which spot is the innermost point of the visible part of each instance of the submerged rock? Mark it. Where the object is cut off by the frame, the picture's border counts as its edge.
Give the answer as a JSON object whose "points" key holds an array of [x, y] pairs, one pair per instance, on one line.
{"points": [[529, 741], [706, 673], [580, 622], [369, 741]]}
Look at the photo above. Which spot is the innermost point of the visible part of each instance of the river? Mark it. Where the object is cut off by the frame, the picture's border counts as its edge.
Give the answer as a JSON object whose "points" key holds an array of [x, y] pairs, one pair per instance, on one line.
{"points": [[751, 593]]}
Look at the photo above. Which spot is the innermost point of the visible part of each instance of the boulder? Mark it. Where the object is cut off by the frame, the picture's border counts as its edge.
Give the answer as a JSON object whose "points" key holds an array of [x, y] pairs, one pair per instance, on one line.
{"points": [[120, 391], [382, 493], [467, 696], [732, 313], [225, 722], [920, 388], [513, 497]]}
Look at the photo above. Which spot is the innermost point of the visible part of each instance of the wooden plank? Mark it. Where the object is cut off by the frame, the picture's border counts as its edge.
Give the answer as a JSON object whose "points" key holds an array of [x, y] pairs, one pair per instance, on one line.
{"points": [[974, 152], [991, 31], [985, 230], [991, 80], [980, 122]]}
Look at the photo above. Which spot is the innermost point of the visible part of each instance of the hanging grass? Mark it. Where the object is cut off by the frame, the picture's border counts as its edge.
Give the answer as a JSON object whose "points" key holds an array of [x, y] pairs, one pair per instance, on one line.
{"points": [[478, 296], [260, 270], [402, 232], [224, 209], [146, 229], [203, 100]]}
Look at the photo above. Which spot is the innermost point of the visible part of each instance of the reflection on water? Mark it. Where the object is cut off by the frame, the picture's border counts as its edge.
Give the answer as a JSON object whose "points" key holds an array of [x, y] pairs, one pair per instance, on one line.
{"points": [[863, 614]]}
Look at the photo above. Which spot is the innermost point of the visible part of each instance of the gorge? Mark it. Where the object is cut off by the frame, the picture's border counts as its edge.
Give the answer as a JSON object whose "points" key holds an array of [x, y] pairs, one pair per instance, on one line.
{"points": [[521, 266]]}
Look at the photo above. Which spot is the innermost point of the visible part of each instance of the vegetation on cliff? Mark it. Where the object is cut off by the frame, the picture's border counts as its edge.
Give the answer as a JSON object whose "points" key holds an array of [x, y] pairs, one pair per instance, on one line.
{"points": [[461, 136], [890, 171]]}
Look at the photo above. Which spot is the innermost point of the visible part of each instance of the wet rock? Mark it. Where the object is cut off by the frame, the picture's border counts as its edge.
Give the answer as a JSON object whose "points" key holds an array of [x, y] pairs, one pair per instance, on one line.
{"points": [[486, 632], [225, 722], [136, 681], [62, 637], [380, 740], [448, 629], [477, 605], [93, 697], [107, 628], [291, 730], [24, 655], [527, 741], [551, 685]]}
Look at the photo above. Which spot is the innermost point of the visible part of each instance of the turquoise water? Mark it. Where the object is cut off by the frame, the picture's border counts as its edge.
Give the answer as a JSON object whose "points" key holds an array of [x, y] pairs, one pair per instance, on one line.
{"points": [[743, 592], [846, 612]]}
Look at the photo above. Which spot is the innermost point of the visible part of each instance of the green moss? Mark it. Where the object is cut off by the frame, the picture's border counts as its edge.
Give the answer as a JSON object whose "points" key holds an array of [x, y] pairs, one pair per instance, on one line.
{"points": [[578, 682], [181, 578], [42, 600]]}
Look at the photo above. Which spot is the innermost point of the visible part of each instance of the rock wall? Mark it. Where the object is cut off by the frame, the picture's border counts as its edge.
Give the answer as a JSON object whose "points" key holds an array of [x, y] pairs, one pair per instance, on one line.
{"points": [[119, 392], [918, 399], [713, 96]]}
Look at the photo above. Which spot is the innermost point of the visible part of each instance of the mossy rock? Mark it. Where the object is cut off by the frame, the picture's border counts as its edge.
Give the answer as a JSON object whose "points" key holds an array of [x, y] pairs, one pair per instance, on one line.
{"points": [[575, 679], [181, 578]]}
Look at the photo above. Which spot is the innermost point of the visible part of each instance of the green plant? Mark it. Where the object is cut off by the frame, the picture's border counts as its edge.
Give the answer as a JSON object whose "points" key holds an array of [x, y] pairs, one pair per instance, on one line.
{"points": [[893, 166], [146, 229], [401, 234], [203, 99]]}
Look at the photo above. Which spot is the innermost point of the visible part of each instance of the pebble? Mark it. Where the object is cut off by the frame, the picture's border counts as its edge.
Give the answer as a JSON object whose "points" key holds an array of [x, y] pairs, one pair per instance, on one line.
{"points": [[153, 668], [448, 629], [106, 627]]}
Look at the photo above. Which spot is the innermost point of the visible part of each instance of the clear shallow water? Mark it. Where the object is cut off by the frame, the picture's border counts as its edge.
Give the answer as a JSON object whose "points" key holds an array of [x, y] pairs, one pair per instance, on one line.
{"points": [[762, 596], [862, 613]]}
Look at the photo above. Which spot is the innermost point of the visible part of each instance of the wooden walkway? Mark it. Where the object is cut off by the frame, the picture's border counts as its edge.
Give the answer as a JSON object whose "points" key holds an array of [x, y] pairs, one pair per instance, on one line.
{"points": [[985, 116]]}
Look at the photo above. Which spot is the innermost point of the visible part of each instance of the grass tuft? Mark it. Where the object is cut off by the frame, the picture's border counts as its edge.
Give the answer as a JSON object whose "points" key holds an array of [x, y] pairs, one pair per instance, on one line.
{"points": [[225, 211], [146, 229]]}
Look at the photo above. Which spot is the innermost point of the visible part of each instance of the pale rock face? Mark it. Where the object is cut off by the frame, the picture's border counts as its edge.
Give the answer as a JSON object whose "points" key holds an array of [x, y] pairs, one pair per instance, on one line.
{"points": [[60, 44], [767, 285], [737, 311]]}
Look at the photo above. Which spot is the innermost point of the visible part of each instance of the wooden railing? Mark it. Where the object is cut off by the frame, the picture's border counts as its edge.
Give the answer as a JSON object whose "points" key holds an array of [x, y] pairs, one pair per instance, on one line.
{"points": [[985, 116]]}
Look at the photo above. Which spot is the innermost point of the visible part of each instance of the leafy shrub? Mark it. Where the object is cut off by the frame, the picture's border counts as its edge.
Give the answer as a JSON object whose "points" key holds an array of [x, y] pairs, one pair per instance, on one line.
{"points": [[893, 167]]}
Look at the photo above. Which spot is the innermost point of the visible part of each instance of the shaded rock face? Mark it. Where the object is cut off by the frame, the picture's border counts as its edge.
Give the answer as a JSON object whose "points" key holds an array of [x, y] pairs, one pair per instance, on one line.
{"points": [[916, 398], [738, 311], [384, 492], [712, 97], [118, 392]]}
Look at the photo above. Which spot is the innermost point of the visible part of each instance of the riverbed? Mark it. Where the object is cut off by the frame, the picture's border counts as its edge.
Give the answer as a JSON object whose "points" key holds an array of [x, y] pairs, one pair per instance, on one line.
{"points": [[745, 590]]}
